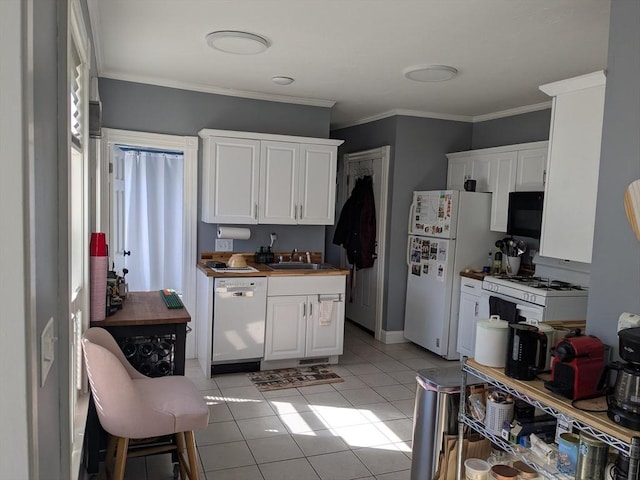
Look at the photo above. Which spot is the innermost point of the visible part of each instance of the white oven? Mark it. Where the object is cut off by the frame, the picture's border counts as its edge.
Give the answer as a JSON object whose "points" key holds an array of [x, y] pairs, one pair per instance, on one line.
{"points": [[524, 310], [537, 298]]}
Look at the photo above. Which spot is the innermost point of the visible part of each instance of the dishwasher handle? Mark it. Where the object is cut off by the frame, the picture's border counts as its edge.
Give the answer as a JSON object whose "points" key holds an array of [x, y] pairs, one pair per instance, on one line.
{"points": [[235, 291]]}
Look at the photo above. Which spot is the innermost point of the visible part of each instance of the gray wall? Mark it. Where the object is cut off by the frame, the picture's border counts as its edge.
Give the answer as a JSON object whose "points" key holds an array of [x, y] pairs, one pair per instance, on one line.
{"points": [[150, 108], [523, 128], [615, 267], [417, 162]]}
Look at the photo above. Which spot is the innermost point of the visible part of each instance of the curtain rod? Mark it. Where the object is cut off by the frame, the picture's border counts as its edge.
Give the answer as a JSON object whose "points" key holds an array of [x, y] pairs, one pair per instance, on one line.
{"points": [[125, 148]]}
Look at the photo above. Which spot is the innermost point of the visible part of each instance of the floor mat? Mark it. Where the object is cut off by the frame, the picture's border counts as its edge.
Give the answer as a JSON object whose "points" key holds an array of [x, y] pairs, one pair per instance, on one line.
{"points": [[293, 377]]}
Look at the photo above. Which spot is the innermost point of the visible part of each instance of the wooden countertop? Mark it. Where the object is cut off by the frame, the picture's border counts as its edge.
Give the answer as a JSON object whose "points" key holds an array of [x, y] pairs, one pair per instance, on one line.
{"points": [[474, 275], [535, 389], [263, 270], [144, 308]]}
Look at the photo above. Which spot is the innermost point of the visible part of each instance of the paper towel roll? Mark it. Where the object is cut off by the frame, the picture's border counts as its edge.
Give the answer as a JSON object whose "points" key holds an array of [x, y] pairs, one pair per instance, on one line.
{"points": [[235, 233]]}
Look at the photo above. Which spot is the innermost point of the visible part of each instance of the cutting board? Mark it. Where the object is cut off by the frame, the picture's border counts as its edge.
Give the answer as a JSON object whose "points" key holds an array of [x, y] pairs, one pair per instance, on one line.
{"points": [[632, 206]]}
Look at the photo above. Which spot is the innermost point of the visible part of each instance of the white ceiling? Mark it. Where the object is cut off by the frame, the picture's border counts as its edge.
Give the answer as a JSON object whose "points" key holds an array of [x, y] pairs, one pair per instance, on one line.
{"points": [[350, 54]]}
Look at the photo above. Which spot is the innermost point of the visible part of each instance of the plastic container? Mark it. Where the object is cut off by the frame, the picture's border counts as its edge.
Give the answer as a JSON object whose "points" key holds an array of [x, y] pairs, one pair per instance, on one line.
{"points": [[98, 266], [492, 338], [476, 469], [496, 414]]}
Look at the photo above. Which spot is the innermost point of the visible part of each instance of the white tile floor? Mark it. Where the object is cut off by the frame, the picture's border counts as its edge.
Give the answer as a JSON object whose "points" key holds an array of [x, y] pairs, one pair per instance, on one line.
{"points": [[358, 429]]}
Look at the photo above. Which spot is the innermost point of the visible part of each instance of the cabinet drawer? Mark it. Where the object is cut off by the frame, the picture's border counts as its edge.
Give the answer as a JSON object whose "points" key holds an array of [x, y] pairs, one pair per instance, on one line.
{"points": [[299, 285], [470, 286]]}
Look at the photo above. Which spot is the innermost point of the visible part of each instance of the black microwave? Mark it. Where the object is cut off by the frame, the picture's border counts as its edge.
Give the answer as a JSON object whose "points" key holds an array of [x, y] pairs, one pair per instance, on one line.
{"points": [[525, 214]]}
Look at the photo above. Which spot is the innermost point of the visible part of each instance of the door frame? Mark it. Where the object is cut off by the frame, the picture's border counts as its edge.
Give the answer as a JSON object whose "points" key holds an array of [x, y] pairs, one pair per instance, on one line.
{"points": [[384, 153], [189, 147]]}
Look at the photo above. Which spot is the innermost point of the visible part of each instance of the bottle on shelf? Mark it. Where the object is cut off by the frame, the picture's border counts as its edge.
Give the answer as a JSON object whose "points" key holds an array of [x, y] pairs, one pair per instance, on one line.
{"points": [[487, 267], [497, 262]]}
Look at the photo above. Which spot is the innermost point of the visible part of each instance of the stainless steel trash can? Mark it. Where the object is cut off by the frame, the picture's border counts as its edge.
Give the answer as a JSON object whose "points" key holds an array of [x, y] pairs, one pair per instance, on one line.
{"points": [[435, 415]]}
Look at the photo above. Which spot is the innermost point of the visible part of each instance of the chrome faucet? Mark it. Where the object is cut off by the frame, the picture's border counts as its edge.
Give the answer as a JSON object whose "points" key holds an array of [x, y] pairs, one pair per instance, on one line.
{"points": [[293, 252]]}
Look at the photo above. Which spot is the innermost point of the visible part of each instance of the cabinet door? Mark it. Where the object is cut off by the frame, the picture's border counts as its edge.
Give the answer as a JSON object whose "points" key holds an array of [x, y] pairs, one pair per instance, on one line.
{"points": [[481, 171], [317, 190], [531, 171], [503, 181], [278, 182], [230, 180], [469, 308], [285, 327], [572, 175], [458, 171], [325, 334]]}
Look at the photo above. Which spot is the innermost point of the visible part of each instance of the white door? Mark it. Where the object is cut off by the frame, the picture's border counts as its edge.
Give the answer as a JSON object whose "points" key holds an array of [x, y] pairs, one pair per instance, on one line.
{"points": [[117, 245], [469, 309], [364, 286], [188, 146]]}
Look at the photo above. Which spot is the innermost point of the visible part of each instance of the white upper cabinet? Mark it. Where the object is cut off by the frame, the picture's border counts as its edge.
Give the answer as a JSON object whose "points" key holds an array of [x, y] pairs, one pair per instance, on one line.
{"points": [[500, 170], [317, 192], [230, 180], [531, 170], [503, 180], [279, 167], [464, 168], [271, 179], [573, 166]]}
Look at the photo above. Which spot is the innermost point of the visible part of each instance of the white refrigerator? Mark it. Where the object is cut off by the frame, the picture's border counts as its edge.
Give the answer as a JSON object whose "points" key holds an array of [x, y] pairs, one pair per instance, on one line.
{"points": [[448, 232]]}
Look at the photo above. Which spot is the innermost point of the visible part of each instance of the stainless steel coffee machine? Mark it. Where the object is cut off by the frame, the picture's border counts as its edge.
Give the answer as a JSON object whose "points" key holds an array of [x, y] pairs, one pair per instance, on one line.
{"points": [[624, 400]]}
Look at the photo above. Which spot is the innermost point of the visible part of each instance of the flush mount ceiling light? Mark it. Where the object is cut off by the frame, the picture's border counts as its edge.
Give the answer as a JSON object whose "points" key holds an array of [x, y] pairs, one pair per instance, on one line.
{"points": [[280, 80], [240, 43], [430, 73]]}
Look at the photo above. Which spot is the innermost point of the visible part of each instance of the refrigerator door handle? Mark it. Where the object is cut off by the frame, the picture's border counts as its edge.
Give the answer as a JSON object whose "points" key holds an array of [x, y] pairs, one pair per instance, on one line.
{"points": [[411, 210], [409, 250]]}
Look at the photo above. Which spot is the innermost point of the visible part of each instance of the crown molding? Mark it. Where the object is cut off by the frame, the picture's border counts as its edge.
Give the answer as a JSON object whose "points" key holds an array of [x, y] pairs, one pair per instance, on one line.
{"points": [[197, 87], [513, 111], [406, 113]]}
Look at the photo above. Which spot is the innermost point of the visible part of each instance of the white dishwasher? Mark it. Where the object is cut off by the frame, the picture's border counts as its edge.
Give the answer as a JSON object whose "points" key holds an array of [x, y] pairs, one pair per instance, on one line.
{"points": [[239, 311]]}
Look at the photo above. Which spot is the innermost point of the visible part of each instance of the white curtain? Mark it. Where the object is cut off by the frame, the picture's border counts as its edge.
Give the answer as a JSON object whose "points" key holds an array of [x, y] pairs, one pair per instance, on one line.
{"points": [[153, 220]]}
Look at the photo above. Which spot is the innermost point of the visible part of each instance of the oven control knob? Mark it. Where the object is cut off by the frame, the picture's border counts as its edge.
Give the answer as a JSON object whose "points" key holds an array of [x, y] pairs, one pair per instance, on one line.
{"points": [[532, 298], [526, 297]]}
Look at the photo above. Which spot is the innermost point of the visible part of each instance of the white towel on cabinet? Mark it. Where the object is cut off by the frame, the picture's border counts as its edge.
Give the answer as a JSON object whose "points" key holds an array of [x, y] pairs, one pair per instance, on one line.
{"points": [[326, 312]]}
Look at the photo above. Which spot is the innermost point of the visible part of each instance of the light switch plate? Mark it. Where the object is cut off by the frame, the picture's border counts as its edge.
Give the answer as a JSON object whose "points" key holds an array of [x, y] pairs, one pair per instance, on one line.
{"points": [[224, 245], [47, 350]]}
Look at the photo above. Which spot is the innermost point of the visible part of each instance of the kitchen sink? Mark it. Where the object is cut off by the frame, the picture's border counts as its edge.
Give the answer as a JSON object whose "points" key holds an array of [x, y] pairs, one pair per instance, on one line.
{"points": [[300, 266]]}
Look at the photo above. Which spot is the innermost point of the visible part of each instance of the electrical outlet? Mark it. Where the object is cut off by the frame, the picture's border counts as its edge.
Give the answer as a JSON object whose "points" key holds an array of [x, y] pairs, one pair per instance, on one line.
{"points": [[224, 245]]}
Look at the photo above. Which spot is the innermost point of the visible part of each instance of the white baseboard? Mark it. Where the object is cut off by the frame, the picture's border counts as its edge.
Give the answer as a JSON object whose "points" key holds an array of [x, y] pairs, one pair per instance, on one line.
{"points": [[396, 336]]}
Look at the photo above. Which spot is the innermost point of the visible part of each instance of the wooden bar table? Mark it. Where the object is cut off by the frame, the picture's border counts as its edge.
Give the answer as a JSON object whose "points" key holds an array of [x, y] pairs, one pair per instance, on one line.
{"points": [[143, 314]]}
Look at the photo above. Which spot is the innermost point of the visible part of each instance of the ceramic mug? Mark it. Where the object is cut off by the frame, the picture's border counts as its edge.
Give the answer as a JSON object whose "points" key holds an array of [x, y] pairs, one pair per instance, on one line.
{"points": [[470, 185]]}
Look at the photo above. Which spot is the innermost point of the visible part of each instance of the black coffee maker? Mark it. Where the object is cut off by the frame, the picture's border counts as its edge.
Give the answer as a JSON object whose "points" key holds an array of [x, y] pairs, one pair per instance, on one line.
{"points": [[526, 351], [624, 400]]}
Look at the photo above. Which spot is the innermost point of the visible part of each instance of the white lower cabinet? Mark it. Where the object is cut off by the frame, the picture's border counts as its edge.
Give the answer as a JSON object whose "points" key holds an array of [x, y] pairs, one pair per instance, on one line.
{"points": [[296, 327], [470, 311]]}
